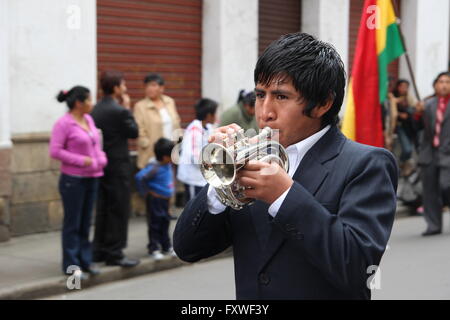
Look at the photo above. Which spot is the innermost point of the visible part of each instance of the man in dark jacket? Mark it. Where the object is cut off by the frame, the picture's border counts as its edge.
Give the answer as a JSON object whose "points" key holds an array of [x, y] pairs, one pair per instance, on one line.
{"points": [[113, 204], [319, 230], [434, 155]]}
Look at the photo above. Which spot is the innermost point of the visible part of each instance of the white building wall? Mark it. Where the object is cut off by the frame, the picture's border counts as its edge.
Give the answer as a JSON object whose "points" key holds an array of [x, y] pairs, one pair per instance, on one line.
{"points": [[230, 48], [328, 21], [425, 25], [52, 46], [5, 131]]}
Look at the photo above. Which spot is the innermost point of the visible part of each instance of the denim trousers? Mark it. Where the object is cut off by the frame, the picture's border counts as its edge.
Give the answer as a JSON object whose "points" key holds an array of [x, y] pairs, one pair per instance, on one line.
{"points": [[78, 197]]}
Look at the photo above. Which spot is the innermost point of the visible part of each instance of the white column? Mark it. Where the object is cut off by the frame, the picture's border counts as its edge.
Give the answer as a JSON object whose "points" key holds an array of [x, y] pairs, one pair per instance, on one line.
{"points": [[230, 48], [5, 121], [328, 21], [425, 25]]}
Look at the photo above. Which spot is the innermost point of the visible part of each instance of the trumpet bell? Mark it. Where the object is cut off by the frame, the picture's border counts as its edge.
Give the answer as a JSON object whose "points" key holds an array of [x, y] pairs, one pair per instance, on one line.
{"points": [[221, 162], [217, 165]]}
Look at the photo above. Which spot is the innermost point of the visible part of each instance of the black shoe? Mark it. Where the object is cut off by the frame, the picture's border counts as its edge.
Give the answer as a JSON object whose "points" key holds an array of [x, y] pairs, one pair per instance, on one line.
{"points": [[431, 233], [97, 258], [124, 262]]}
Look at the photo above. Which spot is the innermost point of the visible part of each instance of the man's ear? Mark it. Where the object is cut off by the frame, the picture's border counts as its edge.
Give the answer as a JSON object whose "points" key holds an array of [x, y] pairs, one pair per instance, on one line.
{"points": [[116, 89], [319, 111]]}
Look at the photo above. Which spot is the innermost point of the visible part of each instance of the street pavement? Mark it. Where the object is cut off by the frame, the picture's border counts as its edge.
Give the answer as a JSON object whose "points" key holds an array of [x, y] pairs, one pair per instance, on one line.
{"points": [[413, 267], [212, 280]]}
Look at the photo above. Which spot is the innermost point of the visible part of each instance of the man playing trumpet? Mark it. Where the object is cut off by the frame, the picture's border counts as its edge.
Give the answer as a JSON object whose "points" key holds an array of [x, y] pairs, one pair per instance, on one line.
{"points": [[315, 231]]}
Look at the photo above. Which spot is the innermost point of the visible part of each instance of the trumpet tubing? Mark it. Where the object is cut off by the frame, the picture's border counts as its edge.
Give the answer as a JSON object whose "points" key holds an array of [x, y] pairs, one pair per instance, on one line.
{"points": [[221, 162]]}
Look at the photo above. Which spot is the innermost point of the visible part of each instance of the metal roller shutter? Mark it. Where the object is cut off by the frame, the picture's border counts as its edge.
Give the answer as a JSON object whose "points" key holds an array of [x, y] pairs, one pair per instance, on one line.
{"points": [[356, 7], [272, 26], [138, 37]]}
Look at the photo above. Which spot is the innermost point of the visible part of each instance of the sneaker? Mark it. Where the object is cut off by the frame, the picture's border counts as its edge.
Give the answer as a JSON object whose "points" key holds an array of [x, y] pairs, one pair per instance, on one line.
{"points": [[157, 255], [91, 270], [124, 262], [83, 276], [170, 252]]}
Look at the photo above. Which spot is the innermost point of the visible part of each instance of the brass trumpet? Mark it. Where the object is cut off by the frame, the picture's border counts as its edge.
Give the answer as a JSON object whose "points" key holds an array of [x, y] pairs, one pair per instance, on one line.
{"points": [[221, 162]]}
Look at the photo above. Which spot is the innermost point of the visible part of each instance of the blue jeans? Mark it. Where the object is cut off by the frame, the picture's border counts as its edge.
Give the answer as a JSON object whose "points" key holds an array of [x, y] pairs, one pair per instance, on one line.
{"points": [[78, 197], [158, 223], [406, 144]]}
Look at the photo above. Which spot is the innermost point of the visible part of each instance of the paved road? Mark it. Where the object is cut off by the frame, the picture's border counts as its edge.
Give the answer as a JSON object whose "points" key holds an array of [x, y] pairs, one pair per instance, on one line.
{"points": [[413, 268], [212, 280]]}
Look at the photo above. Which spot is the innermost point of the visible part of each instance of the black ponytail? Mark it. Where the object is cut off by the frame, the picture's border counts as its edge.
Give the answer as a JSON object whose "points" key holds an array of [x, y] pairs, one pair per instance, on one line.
{"points": [[77, 93], [241, 96], [247, 98]]}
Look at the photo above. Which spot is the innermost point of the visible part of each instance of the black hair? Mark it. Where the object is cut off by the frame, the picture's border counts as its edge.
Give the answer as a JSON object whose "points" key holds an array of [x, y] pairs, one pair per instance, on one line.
{"points": [[314, 67], [399, 82], [247, 98], [77, 93], [444, 73], [203, 107], [163, 147], [154, 77], [109, 80]]}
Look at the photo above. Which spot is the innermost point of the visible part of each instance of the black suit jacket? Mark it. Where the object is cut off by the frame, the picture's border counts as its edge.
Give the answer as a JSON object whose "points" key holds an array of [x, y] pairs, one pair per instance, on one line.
{"points": [[429, 124], [117, 125], [334, 223]]}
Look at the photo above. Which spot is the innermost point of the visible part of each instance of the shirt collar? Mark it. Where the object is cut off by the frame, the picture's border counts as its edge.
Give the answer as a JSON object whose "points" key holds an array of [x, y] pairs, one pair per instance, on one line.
{"points": [[297, 151], [151, 104], [445, 99]]}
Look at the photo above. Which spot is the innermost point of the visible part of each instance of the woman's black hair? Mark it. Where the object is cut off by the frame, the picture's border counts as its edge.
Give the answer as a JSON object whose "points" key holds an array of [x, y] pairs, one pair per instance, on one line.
{"points": [[399, 82], [163, 147], [109, 80], [444, 73], [314, 67], [205, 106], [154, 77], [247, 98], [77, 93]]}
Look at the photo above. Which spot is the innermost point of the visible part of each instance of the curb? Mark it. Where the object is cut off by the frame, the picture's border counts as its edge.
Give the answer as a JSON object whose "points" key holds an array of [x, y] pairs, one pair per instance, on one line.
{"points": [[58, 285]]}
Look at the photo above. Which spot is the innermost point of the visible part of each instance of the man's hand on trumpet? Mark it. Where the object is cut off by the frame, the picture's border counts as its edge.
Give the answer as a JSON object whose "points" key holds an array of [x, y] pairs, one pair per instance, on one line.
{"points": [[263, 181]]}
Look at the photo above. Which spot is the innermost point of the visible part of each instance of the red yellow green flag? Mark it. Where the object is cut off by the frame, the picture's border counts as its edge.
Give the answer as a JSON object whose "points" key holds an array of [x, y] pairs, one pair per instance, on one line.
{"points": [[378, 44]]}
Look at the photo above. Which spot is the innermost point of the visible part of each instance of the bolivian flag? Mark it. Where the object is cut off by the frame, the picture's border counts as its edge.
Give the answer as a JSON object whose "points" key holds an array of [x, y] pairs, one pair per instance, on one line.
{"points": [[378, 44]]}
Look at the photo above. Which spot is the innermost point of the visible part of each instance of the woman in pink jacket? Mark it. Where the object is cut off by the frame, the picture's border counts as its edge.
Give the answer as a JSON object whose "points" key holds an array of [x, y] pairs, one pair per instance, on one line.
{"points": [[75, 141]]}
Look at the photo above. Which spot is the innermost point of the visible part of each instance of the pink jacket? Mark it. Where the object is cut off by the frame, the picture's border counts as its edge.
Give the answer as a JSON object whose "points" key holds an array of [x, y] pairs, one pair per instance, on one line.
{"points": [[70, 144]]}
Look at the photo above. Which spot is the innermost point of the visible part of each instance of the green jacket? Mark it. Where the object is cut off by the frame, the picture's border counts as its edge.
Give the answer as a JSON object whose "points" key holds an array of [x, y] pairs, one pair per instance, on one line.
{"points": [[238, 115]]}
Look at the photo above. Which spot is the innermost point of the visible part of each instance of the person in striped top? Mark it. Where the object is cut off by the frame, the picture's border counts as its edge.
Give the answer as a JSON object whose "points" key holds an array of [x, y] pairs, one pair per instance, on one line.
{"points": [[194, 139]]}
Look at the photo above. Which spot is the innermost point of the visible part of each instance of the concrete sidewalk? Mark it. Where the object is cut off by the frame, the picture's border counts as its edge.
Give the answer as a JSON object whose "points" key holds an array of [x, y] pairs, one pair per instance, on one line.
{"points": [[30, 266]]}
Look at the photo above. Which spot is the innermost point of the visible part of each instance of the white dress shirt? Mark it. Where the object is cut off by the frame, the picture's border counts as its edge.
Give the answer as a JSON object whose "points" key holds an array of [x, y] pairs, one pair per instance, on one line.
{"points": [[295, 152], [166, 123]]}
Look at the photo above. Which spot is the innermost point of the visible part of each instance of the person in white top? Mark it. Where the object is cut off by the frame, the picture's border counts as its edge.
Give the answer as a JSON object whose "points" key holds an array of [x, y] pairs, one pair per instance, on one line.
{"points": [[194, 139]]}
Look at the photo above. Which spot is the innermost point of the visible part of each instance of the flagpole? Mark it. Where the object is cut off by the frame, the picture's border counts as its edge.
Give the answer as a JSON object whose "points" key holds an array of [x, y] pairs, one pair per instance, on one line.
{"points": [[408, 61]]}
